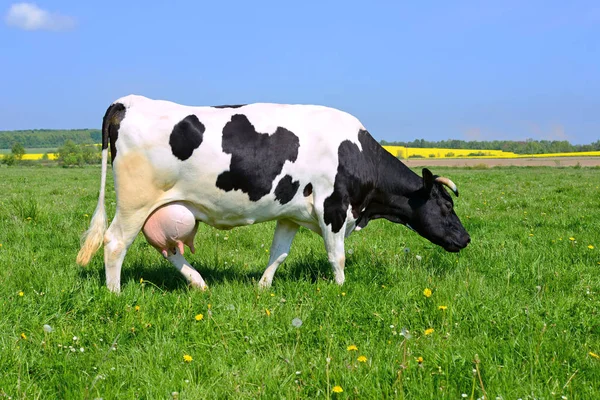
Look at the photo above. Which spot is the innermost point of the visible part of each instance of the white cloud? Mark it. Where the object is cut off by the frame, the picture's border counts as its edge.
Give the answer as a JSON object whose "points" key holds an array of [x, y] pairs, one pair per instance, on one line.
{"points": [[30, 17]]}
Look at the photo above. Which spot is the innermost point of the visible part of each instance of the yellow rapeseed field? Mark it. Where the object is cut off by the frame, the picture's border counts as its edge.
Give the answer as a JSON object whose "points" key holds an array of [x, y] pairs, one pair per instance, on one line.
{"points": [[406, 152]]}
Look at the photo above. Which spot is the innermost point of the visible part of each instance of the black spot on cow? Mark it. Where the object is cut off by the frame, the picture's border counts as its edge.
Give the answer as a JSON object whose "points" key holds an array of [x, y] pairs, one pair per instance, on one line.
{"points": [[110, 127], [354, 181], [230, 106], [286, 189], [186, 137], [256, 158], [307, 190]]}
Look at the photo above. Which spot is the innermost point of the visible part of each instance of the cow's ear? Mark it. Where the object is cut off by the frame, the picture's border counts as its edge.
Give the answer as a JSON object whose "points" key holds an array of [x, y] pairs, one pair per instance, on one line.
{"points": [[427, 179]]}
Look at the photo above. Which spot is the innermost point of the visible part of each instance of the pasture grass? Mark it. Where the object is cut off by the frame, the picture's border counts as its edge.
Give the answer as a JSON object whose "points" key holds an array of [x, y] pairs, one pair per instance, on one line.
{"points": [[522, 317]]}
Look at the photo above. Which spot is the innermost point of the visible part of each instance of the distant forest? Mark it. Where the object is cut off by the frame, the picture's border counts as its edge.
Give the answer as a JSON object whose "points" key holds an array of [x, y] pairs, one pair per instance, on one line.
{"points": [[528, 146], [52, 138], [48, 138]]}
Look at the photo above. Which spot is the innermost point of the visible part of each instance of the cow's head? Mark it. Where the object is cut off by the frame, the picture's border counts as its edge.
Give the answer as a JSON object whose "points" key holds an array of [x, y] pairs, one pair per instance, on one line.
{"points": [[432, 213]]}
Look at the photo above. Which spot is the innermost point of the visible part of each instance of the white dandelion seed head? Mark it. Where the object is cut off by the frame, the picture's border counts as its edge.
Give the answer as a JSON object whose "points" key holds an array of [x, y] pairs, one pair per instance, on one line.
{"points": [[406, 333], [297, 322], [81, 349], [48, 328], [418, 257], [75, 338]]}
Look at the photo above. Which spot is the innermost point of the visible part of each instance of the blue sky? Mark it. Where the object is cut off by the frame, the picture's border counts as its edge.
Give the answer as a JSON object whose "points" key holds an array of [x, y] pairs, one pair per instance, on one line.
{"points": [[473, 70]]}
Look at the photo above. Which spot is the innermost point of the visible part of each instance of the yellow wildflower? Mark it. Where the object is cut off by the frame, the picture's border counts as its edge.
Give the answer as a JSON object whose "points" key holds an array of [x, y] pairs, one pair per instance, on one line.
{"points": [[208, 306], [199, 317], [267, 312], [343, 293], [362, 359], [23, 336], [132, 329], [272, 294], [21, 294], [137, 308], [141, 280], [187, 358], [428, 331], [420, 360], [594, 355], [443, 308], [337, 389], [352, 348], [427, 292], [571, 239], [590, 247]]}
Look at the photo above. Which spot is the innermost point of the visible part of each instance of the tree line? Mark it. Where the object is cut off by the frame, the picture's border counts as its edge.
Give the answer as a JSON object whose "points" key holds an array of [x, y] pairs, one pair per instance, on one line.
{"points": [[48, 138], [528, 146], [52, 138]]}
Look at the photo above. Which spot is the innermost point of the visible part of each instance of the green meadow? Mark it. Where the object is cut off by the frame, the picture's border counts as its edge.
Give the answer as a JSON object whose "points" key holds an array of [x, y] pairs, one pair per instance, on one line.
{"points": [[513, 316]]}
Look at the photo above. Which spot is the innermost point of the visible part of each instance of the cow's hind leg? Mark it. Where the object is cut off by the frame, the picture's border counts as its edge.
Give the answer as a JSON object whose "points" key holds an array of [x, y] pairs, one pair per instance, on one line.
{"points": [[120, 235], [280, 248], [185, 268]]}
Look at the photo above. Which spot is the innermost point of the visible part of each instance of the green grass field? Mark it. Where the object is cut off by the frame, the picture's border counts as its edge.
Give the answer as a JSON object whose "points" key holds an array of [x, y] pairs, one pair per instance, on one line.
{"points": [[515, 315]]}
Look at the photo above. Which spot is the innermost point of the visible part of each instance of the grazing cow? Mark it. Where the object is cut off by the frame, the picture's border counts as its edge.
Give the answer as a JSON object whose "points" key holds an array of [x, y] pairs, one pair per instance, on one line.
{"points": [[228, 166]]}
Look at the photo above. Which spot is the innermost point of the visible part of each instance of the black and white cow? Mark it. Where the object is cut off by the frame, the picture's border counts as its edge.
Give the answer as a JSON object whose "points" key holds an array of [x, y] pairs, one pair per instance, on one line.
{"points": [[228, 166]]}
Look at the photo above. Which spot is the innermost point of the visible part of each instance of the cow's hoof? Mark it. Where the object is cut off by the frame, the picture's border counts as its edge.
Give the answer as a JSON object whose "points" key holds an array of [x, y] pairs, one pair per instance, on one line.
{"points": [[199, 285], [264, 284]]}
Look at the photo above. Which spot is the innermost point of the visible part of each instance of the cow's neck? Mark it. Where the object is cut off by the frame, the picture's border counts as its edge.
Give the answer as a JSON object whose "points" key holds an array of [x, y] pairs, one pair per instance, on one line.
{"points": [[394, 183]]}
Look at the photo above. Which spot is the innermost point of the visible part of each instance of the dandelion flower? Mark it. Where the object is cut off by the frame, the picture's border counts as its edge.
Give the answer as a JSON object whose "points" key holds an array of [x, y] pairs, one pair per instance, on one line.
{"points": [[352, 348], [187, 358], [21, 294], [594, 355], [137, 308], [199, 317], [427, 292], [337, 389], [590, 247], [428, 331], [141, 280], [420, 360], [297, 322], [343, 293], [362, 359], [571, 239], [267, 312], [443, 308], [23, 336]]}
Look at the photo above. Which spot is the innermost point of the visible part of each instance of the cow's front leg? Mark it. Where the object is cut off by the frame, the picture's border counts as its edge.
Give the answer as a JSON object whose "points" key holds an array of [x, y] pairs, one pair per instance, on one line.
{"points": [[280, 248], [334, 244]]}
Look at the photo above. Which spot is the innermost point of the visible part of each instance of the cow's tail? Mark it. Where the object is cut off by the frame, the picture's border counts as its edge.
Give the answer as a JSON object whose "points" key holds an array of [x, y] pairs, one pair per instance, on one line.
{"points": [[92, 238]]}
